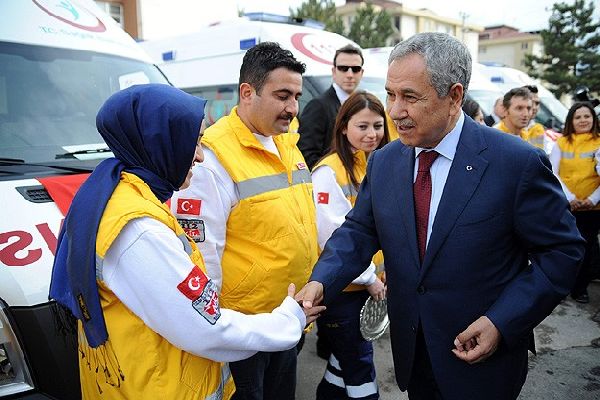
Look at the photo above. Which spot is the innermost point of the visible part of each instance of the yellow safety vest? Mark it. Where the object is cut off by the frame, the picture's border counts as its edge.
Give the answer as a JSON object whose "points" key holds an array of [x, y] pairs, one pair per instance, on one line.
{"points": [[294, 125], [393, 132], [577, 168], [502, 126], [271, 236], [341, 176], [535, 135], [152, 367]]}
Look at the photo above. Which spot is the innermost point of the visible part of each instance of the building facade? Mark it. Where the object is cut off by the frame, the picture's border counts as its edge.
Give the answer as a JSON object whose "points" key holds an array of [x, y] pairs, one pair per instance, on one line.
{"points": [[407, 22], [505, 45]]}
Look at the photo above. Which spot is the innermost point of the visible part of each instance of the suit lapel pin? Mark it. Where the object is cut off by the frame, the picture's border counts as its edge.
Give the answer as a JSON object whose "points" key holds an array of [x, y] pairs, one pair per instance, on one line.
{"points": [[469, 168]]}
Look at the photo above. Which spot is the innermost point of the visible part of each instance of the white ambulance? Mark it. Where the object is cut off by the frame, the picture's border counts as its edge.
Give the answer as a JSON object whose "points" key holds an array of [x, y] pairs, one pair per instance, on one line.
{"points": [[552, 113], [207, 63], [59, 61]]}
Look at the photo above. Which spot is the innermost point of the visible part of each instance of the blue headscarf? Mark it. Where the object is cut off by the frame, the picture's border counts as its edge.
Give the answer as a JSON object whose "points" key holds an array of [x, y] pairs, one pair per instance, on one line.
{"points": [[152, 131]]}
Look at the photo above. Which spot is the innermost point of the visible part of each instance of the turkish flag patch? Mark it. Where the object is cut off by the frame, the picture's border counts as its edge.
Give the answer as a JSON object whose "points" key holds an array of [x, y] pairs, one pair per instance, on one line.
{"points": [[203, 293], [322, 198], [189, 206], [193, 285]]}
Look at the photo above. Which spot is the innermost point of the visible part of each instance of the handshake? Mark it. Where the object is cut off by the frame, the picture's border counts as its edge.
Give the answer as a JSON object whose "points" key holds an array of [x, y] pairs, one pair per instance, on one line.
{"points": [[309, 298]]}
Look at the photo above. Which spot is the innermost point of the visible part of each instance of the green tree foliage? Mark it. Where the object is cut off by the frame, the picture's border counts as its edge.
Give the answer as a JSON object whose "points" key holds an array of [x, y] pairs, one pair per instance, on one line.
{"points": [[571, 47], [320, 10], [370, 28]]}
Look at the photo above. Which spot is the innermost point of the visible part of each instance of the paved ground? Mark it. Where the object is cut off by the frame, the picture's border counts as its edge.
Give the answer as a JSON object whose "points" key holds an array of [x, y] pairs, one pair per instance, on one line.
{"points": [[567, 365]]}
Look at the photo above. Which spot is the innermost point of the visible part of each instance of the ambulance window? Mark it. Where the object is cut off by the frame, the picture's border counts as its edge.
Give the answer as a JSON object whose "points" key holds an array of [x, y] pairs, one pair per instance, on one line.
{"points": [[49, 97], [220, 100]]}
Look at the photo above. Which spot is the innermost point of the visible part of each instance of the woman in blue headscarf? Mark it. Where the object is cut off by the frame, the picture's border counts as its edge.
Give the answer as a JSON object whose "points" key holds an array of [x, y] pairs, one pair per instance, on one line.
{"points": [[149, 320]]}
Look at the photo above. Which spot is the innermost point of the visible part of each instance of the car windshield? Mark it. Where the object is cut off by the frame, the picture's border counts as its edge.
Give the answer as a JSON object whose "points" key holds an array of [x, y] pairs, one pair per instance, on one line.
{"points": [[49, 98]]}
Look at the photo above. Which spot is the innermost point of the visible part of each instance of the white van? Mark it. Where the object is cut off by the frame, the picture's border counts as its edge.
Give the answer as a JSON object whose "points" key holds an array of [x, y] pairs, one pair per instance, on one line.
{"points": [[207, 63], [59, 61], [552, 113], [480, 88]]}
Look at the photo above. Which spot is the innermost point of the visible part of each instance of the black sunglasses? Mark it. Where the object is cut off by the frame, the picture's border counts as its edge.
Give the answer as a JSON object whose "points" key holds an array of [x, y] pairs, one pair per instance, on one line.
{"points": [[344, 68]]}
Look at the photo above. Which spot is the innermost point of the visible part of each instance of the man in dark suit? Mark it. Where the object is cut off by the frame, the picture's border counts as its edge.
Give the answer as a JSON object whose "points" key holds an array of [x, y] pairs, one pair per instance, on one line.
{"points": [[318, 117], [478, 240]]}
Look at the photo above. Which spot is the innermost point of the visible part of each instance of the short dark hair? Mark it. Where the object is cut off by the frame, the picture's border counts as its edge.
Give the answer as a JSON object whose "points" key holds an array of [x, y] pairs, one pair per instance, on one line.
{"points": [[470, 107], [531, 88], [348, 49], [515, 92], [263, 58]]}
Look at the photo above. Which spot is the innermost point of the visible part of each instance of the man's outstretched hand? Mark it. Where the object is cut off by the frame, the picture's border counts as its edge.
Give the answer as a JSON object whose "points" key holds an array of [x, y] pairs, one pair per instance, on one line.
{"points": [[310, 295], [312, 312]]}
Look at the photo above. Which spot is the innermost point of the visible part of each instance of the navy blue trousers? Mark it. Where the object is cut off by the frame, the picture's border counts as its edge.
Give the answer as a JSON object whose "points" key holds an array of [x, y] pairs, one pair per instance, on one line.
{"points": [[265, 376], [350, 372]]}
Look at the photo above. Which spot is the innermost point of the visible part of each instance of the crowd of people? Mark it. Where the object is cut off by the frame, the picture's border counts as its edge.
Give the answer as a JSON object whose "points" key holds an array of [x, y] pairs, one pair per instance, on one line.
{"points": [[195, 241]]}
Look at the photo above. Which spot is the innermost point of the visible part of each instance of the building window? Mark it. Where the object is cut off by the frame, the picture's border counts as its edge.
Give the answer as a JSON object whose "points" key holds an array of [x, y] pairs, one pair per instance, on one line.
{"points": [[524, 46], [115, 10], [397, 22]]}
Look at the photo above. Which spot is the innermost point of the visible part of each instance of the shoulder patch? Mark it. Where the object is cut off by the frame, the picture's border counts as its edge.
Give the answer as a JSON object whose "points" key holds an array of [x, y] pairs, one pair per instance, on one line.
{"points": [[203, 293], [194, 228]]}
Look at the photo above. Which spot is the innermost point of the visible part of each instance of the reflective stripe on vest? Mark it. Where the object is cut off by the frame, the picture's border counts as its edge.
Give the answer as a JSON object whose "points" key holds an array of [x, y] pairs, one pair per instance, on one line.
{"points": [[567, 154], [218, 394], [349, 190], [538, 140], [589, 154], [263, 184], [186, 244]]}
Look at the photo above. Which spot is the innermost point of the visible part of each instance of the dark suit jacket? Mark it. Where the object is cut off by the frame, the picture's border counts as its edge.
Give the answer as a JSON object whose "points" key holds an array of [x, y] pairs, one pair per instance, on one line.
{"points": [[504, 244], [316, 126]]}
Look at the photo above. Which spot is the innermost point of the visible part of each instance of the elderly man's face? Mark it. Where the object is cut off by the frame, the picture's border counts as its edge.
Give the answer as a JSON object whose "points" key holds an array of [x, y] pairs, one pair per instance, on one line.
{"points": [[421, 117]]}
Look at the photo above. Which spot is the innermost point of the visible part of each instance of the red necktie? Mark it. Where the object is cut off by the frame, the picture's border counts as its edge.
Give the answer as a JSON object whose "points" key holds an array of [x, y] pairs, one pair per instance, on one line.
{"points": [[422, 197]]}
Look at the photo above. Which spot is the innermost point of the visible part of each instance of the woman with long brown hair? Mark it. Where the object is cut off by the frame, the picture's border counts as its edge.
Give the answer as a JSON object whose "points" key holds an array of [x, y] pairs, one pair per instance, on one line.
{"points": [[360, 128], [574, 164]]}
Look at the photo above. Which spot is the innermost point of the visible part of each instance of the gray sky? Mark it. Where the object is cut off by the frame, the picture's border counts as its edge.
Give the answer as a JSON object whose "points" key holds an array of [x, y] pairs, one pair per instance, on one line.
{"points": [[526, 15]]}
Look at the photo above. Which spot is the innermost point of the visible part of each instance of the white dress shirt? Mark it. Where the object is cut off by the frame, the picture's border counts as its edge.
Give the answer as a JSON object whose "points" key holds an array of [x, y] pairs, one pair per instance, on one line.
{"points": [[342, 95], [440, 168]]}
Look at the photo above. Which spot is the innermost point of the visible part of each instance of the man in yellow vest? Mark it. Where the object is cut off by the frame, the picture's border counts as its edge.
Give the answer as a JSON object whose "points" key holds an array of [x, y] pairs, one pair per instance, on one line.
{"points": [[536, 132], [250, 208], [517, 106]]}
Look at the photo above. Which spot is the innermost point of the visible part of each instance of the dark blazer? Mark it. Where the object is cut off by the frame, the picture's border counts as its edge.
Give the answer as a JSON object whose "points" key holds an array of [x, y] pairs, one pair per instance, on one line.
{"points": [[316, 126], [504, 244]]}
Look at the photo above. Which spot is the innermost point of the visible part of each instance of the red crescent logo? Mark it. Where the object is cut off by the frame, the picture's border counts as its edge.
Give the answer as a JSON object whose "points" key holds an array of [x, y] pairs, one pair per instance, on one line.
{"points": [[99, 27], [297, 42]]}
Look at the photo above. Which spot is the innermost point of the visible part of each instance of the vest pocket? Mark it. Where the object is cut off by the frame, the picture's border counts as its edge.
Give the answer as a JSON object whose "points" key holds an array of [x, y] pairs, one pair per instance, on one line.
{"points": [[270, 218], [200, 376], [238, 285]]}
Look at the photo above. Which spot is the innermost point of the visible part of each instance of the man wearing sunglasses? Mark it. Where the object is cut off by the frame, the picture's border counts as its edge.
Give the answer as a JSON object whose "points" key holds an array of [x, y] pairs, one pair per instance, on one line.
{"points": [[318, 117]]}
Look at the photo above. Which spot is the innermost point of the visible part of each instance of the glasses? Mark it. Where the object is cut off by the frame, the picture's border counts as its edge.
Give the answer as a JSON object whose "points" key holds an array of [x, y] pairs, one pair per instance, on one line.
{"points": [[344, 68]]}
